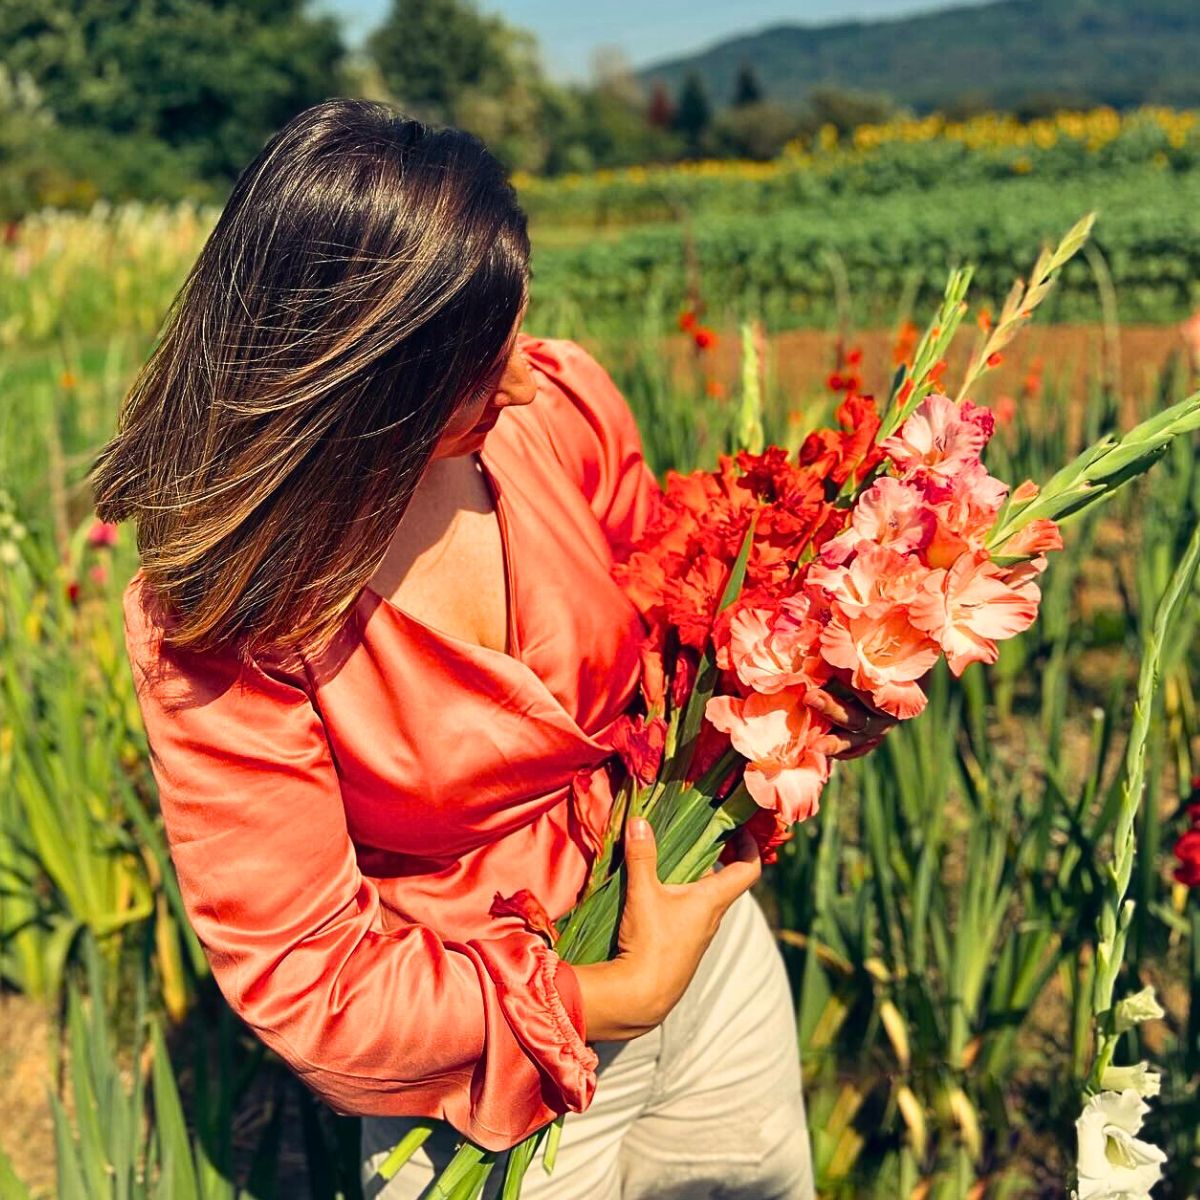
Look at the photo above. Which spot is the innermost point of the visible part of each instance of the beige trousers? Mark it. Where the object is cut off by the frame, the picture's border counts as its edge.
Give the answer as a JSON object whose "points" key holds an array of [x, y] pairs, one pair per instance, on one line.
{"points": [[708, 1105]]}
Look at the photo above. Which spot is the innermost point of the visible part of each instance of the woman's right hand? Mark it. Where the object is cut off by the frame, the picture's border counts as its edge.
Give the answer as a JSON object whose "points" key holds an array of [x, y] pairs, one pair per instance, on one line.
{"points": [[665, 929]]}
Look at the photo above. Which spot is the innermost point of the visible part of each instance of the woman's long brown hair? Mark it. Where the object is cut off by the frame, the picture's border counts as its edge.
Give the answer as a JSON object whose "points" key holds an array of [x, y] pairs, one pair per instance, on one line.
{"points": [[364, 278]]}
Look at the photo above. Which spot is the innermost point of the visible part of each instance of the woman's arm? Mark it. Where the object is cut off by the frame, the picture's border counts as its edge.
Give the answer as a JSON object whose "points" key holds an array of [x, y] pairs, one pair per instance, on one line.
{"points": [[487, 1034]]}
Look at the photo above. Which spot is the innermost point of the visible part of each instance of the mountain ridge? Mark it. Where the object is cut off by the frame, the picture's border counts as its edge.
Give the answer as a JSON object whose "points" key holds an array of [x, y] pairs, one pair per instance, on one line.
{"points": [[998, 54]]}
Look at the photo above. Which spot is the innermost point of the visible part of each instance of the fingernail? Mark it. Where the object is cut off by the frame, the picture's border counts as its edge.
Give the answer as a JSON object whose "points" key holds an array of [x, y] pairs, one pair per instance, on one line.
{"points": [[639, 829]]}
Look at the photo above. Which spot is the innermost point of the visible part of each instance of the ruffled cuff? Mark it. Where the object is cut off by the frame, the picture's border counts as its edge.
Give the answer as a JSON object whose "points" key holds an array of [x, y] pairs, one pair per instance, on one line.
{"points": [[539, 997]]}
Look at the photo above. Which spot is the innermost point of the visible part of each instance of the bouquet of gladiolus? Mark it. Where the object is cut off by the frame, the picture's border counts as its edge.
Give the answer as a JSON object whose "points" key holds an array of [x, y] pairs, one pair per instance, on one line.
{"points": [[777, 589]]}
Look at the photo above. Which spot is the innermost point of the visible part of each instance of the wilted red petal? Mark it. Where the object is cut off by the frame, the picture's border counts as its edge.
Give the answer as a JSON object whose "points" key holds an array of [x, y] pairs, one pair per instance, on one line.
{"points": [[525, 905]]}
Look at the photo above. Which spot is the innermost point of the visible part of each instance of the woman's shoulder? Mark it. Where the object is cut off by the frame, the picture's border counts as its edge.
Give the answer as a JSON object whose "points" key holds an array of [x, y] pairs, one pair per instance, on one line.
{"points": [[578, 406], [178, 677]]}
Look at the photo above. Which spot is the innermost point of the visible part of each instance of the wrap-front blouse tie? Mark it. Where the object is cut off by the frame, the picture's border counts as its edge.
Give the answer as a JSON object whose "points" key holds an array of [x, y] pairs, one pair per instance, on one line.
{"points": [[340, 829]]}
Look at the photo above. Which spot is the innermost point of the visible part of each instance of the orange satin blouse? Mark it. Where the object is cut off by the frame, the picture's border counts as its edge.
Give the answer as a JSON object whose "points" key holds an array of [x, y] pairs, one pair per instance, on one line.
{"points": [[340, 831]]}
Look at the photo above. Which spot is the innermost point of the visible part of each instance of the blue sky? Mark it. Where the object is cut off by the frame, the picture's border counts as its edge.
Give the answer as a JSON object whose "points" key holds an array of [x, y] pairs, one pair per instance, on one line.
{"points": [[646, 30]]}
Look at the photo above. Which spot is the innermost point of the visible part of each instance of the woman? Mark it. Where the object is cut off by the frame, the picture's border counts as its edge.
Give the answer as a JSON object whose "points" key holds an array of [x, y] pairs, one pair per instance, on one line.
{"points": [[380, 660]]}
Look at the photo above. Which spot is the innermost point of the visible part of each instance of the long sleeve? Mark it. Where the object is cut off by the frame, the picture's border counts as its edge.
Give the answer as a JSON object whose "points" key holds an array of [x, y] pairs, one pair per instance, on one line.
{"points": [[487, 1034], [595, 435]]}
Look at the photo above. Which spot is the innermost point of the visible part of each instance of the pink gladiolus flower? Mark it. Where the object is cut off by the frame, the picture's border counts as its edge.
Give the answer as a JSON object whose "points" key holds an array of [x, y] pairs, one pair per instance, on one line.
{"points": [[894, 514], [776, 734], [102, 533], [771, 651], [970, 605], [940, 438], [885, 653]]}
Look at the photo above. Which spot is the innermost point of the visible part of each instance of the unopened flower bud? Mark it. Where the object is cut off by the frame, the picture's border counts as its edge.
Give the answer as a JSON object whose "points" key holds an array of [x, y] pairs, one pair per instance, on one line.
{"points": [[1141, 1006]]}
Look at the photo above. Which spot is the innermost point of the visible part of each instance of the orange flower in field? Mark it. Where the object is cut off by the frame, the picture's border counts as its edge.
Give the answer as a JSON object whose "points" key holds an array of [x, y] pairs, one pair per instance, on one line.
{"points": [[714, 388], [705, 339], [66, 380], [1005, 409], [984, 320], [906, 343], [994, 360], [687, 320], [1031, 389]]}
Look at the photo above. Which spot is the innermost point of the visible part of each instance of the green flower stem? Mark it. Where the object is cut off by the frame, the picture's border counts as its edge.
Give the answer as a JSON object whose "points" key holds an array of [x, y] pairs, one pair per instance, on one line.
{"points": [[1116, 911], [404, 1149], [1097, 472], [733, 812], [552, 1140]]}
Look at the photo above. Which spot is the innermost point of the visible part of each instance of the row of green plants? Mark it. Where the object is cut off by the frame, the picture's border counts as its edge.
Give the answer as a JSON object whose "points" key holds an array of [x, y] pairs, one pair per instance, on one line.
{"points": [[866, 256], [939, 919]]}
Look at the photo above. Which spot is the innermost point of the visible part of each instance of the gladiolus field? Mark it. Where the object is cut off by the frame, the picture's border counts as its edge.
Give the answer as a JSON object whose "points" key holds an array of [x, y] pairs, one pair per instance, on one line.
{"points": [[991, 922]]}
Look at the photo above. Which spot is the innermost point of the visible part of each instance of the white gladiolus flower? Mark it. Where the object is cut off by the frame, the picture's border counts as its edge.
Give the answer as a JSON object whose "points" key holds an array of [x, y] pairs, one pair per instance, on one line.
{"points": [[1113, 1163], [1140, 1077], [1141, 1006]]}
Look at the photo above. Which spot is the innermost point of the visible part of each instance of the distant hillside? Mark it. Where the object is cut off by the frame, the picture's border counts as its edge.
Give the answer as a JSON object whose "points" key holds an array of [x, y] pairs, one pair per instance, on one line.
{"points": [[1119, 52]]}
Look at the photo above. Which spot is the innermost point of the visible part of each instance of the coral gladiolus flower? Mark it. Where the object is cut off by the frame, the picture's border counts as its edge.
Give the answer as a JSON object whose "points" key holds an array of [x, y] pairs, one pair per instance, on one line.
{"points": [[876, 581], [940, 438], [970, 605], [885, 655], [771, 651], [776, 733], [1035, 538]]}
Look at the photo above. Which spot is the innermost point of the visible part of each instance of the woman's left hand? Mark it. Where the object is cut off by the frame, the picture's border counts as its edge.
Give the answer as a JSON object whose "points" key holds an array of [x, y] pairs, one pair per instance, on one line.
{"points": [[860, 727]]}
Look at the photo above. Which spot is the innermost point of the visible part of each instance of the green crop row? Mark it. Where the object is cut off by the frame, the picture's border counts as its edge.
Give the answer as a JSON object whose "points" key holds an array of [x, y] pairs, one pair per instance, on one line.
{"points": [[872, 256]]}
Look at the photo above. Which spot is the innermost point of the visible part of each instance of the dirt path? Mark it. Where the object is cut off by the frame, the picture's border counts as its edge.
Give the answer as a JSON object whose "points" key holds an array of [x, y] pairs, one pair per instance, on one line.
{"points": [[1069, 357]]}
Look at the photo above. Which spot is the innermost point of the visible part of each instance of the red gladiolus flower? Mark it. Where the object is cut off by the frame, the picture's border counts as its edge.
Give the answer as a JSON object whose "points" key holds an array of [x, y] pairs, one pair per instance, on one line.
{"points": [[640, 744], [1187, 850], [705, 339], [73, 591], [994, 360]]}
